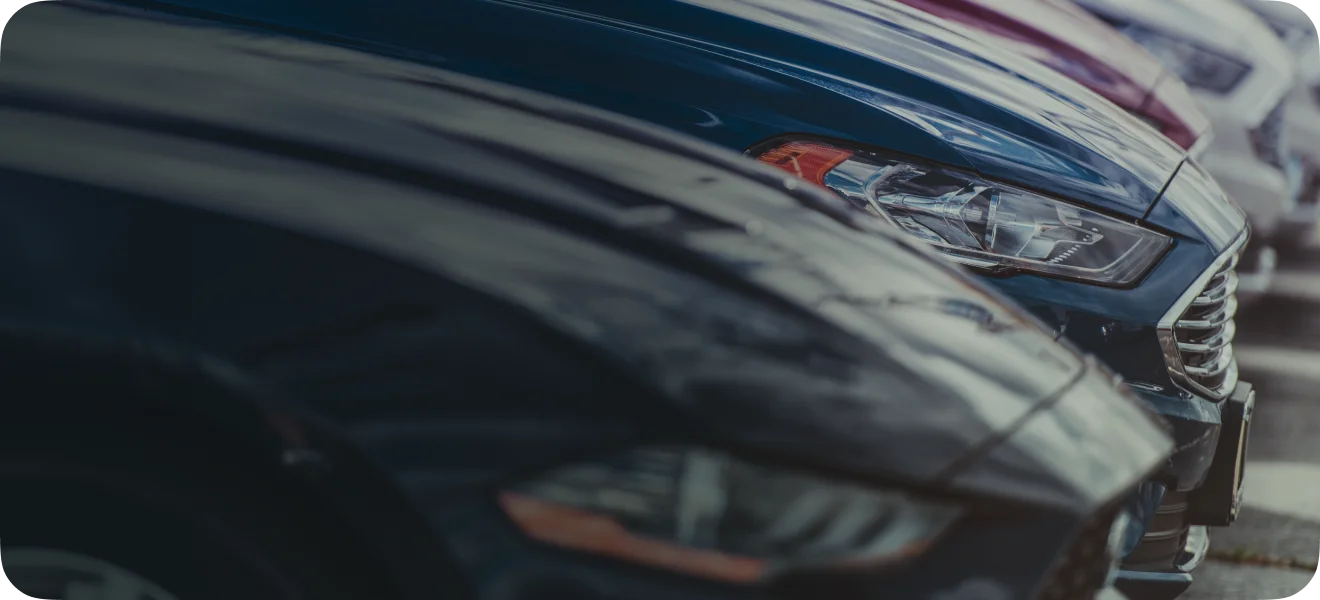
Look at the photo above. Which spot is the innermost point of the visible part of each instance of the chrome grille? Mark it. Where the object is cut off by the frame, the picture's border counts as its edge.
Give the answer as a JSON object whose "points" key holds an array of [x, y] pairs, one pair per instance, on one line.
{"points": [[1269, 138], [1198, 334]]}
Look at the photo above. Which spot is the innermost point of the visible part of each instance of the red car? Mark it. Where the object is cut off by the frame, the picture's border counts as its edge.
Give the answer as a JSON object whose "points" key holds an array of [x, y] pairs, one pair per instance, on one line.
{"points": [[1074, 42]]}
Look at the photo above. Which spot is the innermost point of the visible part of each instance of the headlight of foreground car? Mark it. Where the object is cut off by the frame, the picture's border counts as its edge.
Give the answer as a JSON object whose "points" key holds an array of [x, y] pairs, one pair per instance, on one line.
{"points": [[1199, 67], [980, 223], [707, 514]]}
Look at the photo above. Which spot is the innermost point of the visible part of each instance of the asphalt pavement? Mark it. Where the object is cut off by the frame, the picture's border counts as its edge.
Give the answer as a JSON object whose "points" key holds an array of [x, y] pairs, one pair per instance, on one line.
{"points": [[1272, 551]]}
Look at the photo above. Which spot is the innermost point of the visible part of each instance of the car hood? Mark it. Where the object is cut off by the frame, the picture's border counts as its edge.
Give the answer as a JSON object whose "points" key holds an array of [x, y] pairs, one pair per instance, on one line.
{"points": [[1007, 115], [761, 306], [875, 72]]}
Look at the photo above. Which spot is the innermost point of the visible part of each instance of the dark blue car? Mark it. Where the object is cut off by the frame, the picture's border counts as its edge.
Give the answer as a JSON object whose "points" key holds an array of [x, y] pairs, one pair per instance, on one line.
{"points": [[281, 321], [1080, 212]]}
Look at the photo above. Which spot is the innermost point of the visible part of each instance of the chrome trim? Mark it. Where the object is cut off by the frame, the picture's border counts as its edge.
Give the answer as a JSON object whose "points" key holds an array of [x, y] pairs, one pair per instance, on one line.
{"points": [[1223, 339], [1198, 545], [1157, 536], [1142, 385], [1229, 288], [1217, 320], [1173, 353], [1213, 369]]}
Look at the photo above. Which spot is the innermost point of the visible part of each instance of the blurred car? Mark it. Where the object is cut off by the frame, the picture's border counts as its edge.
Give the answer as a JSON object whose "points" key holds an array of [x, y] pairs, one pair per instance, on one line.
{"points": [[1242, 75], [285, 320], [1092, 220], [1070, 40], [1302, 117]]}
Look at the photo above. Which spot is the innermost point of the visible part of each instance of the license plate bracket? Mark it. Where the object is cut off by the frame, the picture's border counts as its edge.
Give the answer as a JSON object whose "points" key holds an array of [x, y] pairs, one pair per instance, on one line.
{"points": [[1219, 499]]}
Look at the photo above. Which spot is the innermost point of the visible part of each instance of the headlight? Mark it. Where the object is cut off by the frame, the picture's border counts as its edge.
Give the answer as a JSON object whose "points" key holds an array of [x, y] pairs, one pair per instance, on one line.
{"points": [[1200, 68], [706, 514], [977, 222]]}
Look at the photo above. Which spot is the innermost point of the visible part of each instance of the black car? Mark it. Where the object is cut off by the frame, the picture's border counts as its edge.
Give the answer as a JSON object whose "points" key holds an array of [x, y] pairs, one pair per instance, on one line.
{"points": [[284, 320]]}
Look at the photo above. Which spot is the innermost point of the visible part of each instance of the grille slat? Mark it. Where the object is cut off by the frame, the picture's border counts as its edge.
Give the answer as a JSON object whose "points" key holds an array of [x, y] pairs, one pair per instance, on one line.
{"points": [[1215, 319], [1227, 288], [1214, 342], [1212, 367], [1203, 335]]}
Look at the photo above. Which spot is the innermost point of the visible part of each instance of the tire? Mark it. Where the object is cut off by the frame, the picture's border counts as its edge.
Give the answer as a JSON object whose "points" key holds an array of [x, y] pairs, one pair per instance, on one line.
{"points": [[72, 512]]}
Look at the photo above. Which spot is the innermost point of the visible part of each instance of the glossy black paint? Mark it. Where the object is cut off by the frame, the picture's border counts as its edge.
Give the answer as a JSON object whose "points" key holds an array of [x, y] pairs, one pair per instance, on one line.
{"points": [[457, 284]]}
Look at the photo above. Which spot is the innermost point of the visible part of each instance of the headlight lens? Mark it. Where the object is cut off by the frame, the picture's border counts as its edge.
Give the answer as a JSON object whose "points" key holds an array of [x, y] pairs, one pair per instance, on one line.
{"points": [[1199, 67], [707, 514], [977, 222]]}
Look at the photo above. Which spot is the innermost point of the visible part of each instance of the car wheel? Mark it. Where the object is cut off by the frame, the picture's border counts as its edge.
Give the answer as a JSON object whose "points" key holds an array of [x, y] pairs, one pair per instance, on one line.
{"points": [[79, 522]]}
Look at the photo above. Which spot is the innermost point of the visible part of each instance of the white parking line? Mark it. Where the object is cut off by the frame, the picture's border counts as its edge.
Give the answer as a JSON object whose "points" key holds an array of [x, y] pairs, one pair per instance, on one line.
{"points": [[1286, 488], [1282, 362], [1283, 487], [1296, 285]]}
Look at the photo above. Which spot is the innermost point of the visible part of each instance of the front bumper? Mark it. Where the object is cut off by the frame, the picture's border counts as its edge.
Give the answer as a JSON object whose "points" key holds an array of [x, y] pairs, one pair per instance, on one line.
{"points": [[1195, 424], [1170, 583], [1209, 437], [1219, 498], [1174, 538]]}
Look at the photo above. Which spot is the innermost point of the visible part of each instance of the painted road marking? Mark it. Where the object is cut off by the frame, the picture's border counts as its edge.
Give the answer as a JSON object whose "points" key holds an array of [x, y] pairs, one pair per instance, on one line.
{"points": [[1278, 361], [1296, 285], [1285, 488]]}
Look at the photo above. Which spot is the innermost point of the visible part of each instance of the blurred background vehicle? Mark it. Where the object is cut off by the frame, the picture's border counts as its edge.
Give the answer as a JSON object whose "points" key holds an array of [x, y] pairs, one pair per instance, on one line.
{"points": [[284, 320], [1242, 74], [1302, 117], [1073, 207], [1065, 37]]}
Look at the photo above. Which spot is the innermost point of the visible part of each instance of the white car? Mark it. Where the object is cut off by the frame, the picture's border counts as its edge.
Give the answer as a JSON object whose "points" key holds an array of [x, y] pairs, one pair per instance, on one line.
{"points": [[1303, 115], [1242, 74]]}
